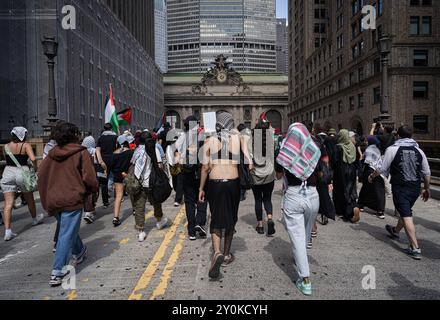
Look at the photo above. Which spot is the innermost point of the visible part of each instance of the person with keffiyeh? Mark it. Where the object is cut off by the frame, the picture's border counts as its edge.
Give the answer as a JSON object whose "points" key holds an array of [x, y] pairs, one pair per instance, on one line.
{"points": [[142, 160], [372, 195], [297, 163], [344, 178], [17, 154]]}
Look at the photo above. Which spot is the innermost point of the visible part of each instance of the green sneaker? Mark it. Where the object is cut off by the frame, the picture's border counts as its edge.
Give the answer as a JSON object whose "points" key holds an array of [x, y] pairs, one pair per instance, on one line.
{"points": [[305, 288]]}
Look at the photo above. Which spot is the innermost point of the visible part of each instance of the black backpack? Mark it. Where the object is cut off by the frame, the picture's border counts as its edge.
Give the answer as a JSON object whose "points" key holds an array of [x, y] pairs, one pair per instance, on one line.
{"points": [[159, 183]]}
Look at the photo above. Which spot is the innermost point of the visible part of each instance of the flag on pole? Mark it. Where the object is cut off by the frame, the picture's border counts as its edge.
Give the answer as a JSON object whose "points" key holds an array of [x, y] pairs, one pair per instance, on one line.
{"points": [[110, 112], [124, 117]]}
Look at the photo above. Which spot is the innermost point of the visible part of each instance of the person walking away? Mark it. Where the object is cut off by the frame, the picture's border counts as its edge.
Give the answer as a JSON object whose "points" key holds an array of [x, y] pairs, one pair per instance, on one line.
{"points": [[17, 154], [263, 174], [47, 148], [296, 163], [105, 147], [118, 166], [143, 160], [345, 179], [90, 144], [324, 184], [176, 172], [187, 155], [408, 165], [63, 195], [221, 156], [372, 195], [246, 139]]}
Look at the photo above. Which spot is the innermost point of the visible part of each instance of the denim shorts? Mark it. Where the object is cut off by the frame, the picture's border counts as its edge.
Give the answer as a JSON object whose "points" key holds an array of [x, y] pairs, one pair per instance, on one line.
{"points": [[12, 180], [404, 199]]}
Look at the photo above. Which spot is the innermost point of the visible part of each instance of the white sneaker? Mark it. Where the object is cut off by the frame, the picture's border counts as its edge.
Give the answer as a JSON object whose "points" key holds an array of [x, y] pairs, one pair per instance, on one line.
{"points": [[142, 236], [162, 223], [9, 236], [36, 221]]}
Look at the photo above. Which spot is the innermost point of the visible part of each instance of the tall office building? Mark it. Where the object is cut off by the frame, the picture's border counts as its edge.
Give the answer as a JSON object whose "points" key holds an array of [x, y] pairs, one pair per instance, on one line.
{"points": [[282, 47], [160, 27], [105, 48], [335, 71], [138, 17], [242, 30]]}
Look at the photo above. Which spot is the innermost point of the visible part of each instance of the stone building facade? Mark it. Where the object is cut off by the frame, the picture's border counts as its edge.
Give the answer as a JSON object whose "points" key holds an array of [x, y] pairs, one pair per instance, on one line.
{"points": [[335, 69], [99, 52], [245, 96]]}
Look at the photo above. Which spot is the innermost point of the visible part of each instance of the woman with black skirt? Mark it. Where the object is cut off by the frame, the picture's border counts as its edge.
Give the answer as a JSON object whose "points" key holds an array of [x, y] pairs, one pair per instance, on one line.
{"points": [[221, 154], [372, 195]]}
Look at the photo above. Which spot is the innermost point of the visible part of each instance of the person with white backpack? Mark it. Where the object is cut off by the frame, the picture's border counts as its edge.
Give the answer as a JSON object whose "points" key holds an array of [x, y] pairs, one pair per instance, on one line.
{"points": [[19, 176]]}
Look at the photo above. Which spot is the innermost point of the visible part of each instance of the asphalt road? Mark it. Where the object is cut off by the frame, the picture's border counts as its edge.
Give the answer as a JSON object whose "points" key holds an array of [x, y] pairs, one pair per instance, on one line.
{"points": [[168, 266]]}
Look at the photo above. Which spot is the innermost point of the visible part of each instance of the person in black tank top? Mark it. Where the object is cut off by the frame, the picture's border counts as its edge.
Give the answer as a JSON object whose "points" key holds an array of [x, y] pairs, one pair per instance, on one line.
{"points": [[12, 179]]}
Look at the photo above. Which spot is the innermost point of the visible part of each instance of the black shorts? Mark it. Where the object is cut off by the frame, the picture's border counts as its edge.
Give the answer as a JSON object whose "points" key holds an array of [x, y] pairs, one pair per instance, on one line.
{"points": [[404, 199]]}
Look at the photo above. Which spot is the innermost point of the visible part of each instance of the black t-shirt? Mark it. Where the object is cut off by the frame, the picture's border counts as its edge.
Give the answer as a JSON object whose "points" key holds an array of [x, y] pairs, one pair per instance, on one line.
{"points": [[107, 143], [293, 181], [120, 162]]}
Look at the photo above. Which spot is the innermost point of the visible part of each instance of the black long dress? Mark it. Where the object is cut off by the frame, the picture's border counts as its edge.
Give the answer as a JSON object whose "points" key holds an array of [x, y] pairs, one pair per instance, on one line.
{"points": [[372, 195], [344, 186], [326, 206]]}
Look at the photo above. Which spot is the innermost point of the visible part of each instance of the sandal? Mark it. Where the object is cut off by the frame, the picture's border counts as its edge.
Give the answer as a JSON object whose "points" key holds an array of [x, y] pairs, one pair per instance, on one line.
{"points": [[324, 220], [314, 234], [228, 260], [214, 272]]}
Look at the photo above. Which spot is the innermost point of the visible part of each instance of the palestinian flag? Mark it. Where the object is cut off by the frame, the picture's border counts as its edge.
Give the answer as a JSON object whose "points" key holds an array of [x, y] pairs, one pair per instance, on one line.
{"points": [[110, 112], [124, 117]]}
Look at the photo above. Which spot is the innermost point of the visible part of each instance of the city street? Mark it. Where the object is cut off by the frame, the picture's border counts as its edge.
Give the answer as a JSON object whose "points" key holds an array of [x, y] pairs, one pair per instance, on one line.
{"points": [[168, 266]]}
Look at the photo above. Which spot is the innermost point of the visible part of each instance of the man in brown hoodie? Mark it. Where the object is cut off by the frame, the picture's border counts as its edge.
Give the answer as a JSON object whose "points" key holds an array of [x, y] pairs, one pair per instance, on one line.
{"points": [[65, 178]]}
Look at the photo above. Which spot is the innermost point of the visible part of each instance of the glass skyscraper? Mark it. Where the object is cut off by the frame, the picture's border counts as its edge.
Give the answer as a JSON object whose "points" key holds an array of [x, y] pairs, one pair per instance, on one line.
{"points": [[243, 30], [160, 36]]}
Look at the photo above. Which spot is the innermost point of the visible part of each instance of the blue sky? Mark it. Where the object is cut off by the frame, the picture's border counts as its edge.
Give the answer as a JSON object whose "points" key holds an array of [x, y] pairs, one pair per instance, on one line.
{"points": [[282, 9]]}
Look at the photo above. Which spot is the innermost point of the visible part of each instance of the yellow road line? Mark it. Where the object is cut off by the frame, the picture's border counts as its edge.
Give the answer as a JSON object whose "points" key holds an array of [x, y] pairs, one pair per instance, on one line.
{"points": [[72, 295], [124, 241], [168, 270], [149, 272], [149, 215]]}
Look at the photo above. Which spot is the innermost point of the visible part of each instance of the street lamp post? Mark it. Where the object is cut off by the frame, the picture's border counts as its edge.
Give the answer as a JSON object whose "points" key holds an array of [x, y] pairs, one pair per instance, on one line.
{"points": [[384, 46], [50, 47]]}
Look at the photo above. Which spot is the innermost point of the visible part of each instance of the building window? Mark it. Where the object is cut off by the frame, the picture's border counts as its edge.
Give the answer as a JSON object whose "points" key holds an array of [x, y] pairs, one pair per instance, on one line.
{"points": [[420, 58], [426, 25], [351, 103], [420, 90], [376, 95], [340, 106], [420, 124], [360, 100], [414, 26]]}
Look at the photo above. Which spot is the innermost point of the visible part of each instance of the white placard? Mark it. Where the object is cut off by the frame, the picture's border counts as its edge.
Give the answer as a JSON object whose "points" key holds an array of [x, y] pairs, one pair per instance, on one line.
{"points": [[209, 121]]}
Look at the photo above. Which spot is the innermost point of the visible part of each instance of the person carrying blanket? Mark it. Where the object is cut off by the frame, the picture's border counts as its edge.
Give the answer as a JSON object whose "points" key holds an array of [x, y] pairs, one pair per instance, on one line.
{"points": [[296, 163]]}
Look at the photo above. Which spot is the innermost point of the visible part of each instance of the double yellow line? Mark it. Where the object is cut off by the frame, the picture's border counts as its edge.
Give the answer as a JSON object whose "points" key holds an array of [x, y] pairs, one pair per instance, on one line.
{"points": [[150, 271]]}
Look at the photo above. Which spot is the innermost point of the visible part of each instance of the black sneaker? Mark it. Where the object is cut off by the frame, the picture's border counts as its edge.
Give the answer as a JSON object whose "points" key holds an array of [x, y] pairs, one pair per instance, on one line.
{"points": [[116, 222], [416, 254], [192, 237], [105, 205], [392, 231], [56, 281], [260, 230], [380, 215], [201, 231], [270, 228]]}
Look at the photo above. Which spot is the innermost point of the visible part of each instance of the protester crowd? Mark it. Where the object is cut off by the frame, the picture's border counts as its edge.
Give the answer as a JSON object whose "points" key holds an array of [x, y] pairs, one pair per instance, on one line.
{"points": [[320, 173]]}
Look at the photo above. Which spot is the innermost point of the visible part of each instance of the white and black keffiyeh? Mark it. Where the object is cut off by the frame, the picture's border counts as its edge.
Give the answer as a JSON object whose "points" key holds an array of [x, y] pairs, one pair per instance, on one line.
{"points": [[373, 157], [19, 132], [90, 144], [225, 121]]}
